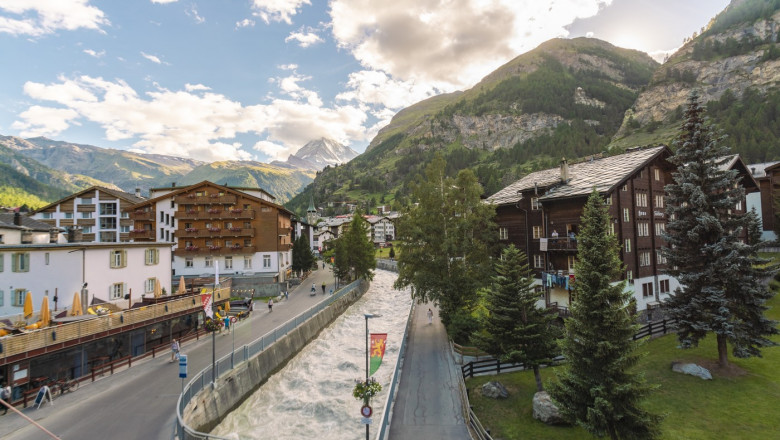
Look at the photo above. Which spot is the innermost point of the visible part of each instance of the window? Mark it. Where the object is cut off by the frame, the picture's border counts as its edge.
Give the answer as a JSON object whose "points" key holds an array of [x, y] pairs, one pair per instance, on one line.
{"points": [[20, 262], [539, 261], [537, 231], [209, 261], [611, 228], [228, 262], [627, 246], [86, 215], [657, 173], [641, 200], [167, 235], [644, 258], [643, 229], [118, 258], [629, 276], [265, 209], [117, 291], [188, 262], [663, 286], [624, 188], [503, 234], [85, 201], [626, 215], [738, 207], [167, 219], [86, 229], [266, 261], [125, 215], [246, 206], [151, 256], [660, 257], [18, 299], [68, 215], [108, 209], [247, 225], [173, 204], [660, 228], [608, 200], [572, 259], [46, 258], [659, 201], [535, 203], [47, 215], [149, 285], [108, 223], [647, 290], [162, 217], [247, 262], [124, 228]]}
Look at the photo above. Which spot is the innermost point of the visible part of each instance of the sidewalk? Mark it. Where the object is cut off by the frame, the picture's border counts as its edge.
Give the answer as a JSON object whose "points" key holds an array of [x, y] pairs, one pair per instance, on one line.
{"points": [[428, 404], [140, 402]]}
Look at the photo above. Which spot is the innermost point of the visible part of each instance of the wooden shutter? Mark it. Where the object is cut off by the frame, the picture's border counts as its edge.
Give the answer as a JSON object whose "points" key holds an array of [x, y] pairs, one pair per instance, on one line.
{"points": [[26, 257], [14, 262], [124, 258]]}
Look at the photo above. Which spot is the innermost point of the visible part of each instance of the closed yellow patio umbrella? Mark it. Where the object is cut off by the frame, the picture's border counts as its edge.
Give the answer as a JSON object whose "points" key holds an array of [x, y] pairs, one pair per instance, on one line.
{"points": [[182, 287], [45, 313], [157, 288], [227, 306], [28, 305], [75, 307]]}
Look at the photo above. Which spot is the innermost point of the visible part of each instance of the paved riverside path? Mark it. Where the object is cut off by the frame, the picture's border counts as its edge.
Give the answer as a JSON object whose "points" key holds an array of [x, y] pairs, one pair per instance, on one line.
{"points": [[428, 404], [140, 402]]}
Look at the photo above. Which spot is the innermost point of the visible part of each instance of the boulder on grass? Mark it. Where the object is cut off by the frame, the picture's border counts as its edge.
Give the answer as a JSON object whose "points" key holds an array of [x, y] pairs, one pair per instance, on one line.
{"points": [[546, 411], [692, 369], [495, 390]]}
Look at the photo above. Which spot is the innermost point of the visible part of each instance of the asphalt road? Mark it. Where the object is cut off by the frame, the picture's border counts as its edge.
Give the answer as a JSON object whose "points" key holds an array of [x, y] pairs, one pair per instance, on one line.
{"points": [[140, 402]]}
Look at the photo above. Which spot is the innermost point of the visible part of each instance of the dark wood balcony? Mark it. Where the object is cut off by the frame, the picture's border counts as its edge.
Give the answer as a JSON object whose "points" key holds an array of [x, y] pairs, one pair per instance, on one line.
{"points": [[285, 247], [562, 311], [196, 251], [216, 214], [137, 234], [142, 215], [216, 232], [284, 231], [562, 244], [192, 199]]}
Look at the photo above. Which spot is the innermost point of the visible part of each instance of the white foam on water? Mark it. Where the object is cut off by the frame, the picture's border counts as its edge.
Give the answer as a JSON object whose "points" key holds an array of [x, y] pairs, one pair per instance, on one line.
{"points": [[311, 397]]}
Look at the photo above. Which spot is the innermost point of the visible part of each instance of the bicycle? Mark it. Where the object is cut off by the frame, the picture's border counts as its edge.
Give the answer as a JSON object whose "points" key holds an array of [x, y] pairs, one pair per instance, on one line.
{"points": [[62, 386]]}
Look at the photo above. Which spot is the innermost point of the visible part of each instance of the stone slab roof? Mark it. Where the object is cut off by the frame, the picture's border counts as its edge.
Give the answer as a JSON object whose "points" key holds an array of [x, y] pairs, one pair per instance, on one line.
{"points": [[7, 222]]}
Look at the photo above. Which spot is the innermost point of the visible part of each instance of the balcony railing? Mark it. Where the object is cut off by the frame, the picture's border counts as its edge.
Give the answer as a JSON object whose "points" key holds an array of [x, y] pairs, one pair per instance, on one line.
{"points": [[142, 233], [216, 214], [284, 231], [195, 251], [142, 215], [285, 247], [561, 244], [191, 199], [222, 232]]}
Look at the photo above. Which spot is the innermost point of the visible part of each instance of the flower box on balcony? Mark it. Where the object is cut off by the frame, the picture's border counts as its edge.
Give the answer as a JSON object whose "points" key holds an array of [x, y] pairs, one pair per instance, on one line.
{"points": [[214, 211], [190, 196], [139, 211], [191, 229], [191, 211], [215, 248], [235, 229], [214, 229], [236, 211], [236, 246], [138, 231], [191, 248]]}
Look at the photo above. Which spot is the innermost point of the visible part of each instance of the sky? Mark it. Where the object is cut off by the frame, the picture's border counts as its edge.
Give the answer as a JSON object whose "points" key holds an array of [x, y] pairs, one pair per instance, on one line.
{"points": [[257, 79]]}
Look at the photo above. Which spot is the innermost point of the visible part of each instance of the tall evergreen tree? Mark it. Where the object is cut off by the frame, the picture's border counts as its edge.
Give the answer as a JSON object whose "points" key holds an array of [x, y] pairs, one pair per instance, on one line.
{"points": [[515, 329], [719, 291], [446, 240], [597, 389], [354, 252], [302, 255]]}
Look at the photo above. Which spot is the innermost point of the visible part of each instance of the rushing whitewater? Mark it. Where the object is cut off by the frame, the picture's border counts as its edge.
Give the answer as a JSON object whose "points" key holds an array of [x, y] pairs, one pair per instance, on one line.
{"points": [[311, 397]]}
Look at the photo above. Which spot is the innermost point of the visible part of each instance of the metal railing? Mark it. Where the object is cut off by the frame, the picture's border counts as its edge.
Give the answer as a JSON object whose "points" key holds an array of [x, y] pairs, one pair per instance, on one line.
{"points": [[240, 355], [383, 432]]}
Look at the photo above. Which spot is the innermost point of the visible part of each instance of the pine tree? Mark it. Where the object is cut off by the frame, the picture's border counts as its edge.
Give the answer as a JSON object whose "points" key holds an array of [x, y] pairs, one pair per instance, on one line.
{"points": [[515, 329], [445, 240], [354, 252], [597, 390], [720, 291], [302, 255]]}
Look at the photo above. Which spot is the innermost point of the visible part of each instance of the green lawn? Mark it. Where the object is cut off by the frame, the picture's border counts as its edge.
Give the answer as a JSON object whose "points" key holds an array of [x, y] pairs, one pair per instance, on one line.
{"points": [[740, 404]]}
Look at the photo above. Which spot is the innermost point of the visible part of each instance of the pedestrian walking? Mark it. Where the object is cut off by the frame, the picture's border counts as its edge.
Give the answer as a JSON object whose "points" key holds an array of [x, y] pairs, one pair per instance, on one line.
{"points": [[286, 294], [430, 316], [174, 350], [226, 320], [5, 394], [270, 305], [323, 288]]}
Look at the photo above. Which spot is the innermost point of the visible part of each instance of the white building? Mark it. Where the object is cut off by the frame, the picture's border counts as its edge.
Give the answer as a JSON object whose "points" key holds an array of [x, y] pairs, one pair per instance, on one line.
{"points": [[110, 271]]}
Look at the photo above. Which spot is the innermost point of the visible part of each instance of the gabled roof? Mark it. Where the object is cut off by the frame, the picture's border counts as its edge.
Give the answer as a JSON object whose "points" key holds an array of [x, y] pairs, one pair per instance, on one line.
{"points": [[604, 174], [237, 188], [183, 189], [758, 170], [734, 162], [130, 198], [28, 223]]}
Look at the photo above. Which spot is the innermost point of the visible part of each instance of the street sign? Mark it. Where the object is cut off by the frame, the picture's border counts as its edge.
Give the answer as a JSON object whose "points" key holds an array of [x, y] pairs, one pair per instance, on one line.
{"points": [[365, 420], [182, 366]]}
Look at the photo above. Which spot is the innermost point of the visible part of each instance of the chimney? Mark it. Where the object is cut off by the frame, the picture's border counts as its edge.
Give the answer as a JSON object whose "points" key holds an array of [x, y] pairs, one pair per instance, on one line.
{"points": [[138, 192], [564, 170], [753, 170], [17, 219], [173, 184]]}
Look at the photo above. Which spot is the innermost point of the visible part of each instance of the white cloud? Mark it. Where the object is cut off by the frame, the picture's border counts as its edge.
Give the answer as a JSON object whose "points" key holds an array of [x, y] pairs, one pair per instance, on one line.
{"points": [[277, 10], [245, 23], [305, 37], [288, 66], [373, 87], [162, 2], [449, 45], [95, 54], [42, 17], [151, 58], [193, 122], [192, 11]]}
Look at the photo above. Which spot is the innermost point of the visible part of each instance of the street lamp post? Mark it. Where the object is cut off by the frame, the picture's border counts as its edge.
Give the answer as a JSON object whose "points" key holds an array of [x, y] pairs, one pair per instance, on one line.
{"points": [[368, 316]]}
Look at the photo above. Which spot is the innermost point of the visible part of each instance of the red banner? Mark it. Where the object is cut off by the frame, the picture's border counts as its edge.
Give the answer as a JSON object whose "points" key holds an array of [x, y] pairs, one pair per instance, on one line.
{"points": [[377, 350], [205, 300]]}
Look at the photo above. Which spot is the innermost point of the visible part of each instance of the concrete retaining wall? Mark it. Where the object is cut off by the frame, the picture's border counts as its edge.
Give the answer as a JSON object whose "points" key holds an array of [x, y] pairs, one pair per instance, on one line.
{"points": [[391, 265], [210, 406]]}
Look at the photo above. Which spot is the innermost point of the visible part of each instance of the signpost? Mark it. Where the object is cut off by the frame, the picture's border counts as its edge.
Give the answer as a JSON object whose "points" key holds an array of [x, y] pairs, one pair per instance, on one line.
{"points": [[182, 369]]}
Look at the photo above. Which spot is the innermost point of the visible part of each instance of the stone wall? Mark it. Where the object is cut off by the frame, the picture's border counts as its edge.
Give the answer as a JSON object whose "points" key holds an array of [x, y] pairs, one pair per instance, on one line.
{"points": [[210, 406]]}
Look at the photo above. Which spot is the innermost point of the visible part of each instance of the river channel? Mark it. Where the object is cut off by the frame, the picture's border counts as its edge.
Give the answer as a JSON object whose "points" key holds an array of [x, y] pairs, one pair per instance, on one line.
{"points": [[311, 397]]}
